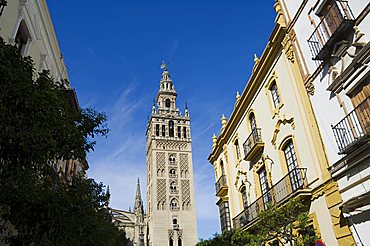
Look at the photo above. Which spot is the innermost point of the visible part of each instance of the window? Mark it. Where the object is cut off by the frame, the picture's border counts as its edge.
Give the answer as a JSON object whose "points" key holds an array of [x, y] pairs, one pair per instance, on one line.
{"points": [[174, 204], [173, 173], [161, 206], [292, 163], [360, 98], [185, 205], [168, 103], [262, 175], [237, 149], [157, 130], [171, 241], [275, 94], [163, 130], [225, 216], [160, 172], [172, 158], [66, 166], [173, 187], [179, 131], [22, 37], [184, 131], [171, 128], [179, 242], [174, 221], [222, 168], [252, 122], [244, 196], [333, 17]]}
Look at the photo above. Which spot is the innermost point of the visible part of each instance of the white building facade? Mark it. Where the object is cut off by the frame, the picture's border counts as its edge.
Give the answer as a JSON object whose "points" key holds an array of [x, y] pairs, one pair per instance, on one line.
{"points": [[332, 40], [171, 216], [27, 24]]}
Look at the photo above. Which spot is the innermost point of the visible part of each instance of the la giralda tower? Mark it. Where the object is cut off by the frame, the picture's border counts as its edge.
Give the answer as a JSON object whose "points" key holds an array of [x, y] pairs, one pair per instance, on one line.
{"points": [[170, 183]]}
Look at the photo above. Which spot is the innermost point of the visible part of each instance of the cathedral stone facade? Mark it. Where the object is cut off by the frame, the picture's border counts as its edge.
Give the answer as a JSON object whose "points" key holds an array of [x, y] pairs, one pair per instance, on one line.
{"points": [[170, 190], [132, 222]]}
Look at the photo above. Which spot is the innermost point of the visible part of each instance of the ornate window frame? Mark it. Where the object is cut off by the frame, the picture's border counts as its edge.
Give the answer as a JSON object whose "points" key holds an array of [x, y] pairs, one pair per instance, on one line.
{"points": [[237, 146], [275, 110], [257, 167], [249, 114], [284, 142]]}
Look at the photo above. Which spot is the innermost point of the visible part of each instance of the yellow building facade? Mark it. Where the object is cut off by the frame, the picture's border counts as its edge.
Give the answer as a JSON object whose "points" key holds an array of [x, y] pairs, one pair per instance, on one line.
{"points": [[270, 149]]}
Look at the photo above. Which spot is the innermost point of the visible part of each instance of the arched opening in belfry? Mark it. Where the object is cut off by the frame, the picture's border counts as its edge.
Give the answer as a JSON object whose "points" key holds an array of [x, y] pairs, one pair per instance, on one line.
{"points": [[171, 128], [168, 103]]}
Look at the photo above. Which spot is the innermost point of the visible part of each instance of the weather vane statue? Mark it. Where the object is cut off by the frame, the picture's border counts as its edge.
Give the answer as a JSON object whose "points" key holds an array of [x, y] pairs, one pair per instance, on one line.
{"points": [[164, 66]]}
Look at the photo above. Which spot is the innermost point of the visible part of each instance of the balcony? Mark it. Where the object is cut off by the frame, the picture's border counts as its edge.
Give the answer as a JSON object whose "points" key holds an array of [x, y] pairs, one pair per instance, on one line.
{"points": [[221, 186], [174, 191], [354, 129], [335, 26], [291, 185], [253, 145], [173, 176]]}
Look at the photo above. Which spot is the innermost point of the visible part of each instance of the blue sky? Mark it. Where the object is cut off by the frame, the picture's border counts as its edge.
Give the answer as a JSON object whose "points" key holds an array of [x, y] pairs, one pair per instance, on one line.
{"points": [[113, 51]]}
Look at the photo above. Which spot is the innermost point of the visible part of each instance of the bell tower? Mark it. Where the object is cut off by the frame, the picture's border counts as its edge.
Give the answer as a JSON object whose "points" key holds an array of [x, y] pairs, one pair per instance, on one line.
{"points": [[171, 216]]}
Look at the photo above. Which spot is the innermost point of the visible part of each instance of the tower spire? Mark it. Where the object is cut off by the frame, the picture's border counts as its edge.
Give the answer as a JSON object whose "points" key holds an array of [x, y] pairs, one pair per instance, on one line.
{"points": [[138, 200], [166, 84], [166, 96]]}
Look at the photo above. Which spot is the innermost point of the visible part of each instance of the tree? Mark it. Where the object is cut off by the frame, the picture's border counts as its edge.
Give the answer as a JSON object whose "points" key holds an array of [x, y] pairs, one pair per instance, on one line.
{"points": [[231, 238], [288, 223], [38, 129]]}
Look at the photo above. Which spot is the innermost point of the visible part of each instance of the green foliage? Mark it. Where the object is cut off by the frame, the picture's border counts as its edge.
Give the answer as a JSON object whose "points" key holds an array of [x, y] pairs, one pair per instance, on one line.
{"points": [[288, 224], [231, 238], [38, 128]]}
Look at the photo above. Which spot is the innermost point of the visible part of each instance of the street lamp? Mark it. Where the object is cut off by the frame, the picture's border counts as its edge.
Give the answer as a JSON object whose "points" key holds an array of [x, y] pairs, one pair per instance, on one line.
{"points": [[3, 3]]}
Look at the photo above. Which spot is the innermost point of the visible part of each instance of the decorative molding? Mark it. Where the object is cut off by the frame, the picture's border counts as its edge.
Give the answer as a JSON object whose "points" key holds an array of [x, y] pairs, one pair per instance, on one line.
{"points": [[226, 154], [257, 166], [283, 121], [280, 19], [288, 48], [310, 87], [170, 233], [173, 145], [238, 176]]}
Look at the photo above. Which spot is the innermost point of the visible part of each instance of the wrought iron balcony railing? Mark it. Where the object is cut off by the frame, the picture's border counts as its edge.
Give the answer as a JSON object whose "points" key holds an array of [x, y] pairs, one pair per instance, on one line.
{"points": [[253, 145], [290, 185], [354, 128], [221, 186], [333, 27]]}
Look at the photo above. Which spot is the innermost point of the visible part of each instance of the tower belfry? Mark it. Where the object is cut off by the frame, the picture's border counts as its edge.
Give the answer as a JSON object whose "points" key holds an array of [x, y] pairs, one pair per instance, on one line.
{"points": [[170, 184]]}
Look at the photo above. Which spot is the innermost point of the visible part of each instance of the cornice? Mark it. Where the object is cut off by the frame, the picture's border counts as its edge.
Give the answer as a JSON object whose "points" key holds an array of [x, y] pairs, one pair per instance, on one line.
{"points": [[259, 71]]}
